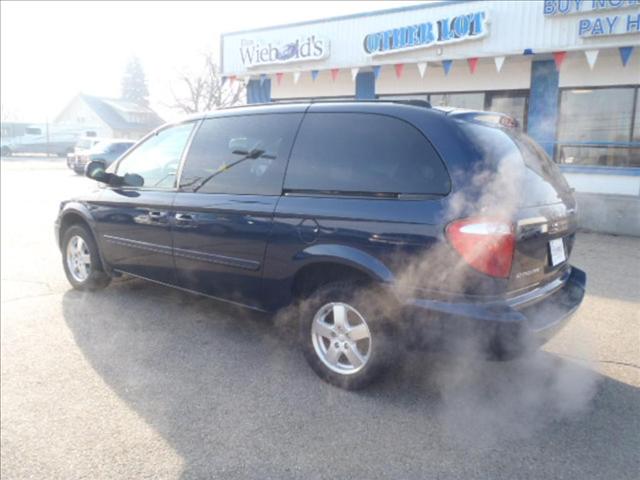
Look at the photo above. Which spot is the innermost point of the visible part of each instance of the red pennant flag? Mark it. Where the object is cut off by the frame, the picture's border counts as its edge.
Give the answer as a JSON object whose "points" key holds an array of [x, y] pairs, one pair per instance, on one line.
{"points": [[279, 77], [334, 73], [559, 58], [232, 78], [399, 69], [473, 64]]}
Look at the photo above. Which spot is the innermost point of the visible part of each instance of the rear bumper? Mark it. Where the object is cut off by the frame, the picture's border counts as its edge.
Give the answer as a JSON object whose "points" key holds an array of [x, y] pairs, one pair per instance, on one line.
{"points": [[503, 328]]}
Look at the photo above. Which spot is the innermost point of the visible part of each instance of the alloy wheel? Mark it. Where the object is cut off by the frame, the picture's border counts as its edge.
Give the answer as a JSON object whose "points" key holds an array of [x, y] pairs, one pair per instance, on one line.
{"points": [[341, 338], [78, 258]]}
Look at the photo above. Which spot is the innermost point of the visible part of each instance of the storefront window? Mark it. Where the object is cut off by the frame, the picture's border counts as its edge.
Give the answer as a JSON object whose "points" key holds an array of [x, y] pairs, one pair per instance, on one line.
{"points": [[509, 102], [471, 101], [512, 104], [595, 127]]}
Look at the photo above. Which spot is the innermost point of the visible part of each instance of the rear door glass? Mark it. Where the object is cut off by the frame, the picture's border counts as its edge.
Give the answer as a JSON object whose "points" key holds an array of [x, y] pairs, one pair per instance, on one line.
{"points": [[364, 153]]}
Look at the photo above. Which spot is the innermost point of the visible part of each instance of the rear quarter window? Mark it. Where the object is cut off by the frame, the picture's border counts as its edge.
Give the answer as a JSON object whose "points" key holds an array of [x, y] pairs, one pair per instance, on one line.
{"points": [[364, 153]]}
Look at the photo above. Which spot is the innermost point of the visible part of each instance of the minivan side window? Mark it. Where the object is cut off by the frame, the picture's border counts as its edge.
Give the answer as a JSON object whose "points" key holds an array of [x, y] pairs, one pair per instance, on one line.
{"points": [[364, 153], [240, 155], [157, 159]]}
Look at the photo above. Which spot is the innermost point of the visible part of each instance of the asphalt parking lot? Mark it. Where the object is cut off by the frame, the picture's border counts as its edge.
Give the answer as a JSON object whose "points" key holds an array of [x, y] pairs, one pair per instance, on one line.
{"points": [[140, 381]]}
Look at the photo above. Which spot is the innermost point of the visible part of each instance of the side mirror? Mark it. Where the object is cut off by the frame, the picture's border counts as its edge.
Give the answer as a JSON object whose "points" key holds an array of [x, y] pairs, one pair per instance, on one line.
{"points": [[96, 171]]}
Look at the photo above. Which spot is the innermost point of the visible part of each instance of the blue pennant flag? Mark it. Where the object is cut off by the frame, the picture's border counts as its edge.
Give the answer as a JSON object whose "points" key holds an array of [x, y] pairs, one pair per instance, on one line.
{"points": [[314, 74], [625, 55], [223, 80], [376, 71], [446, 64], [263, 77]]}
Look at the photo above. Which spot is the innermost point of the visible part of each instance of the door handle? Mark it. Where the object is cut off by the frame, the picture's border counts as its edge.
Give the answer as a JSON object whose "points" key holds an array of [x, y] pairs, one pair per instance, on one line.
{"points": [[184, 218], [157, 215]]}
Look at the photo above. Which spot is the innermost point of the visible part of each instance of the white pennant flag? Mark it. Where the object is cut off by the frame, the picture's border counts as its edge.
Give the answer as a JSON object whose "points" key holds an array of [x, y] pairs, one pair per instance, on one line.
{"points": [[499, 61], [422, 67], [354, 73], [592, 56], [296, 77], [247, 79]]}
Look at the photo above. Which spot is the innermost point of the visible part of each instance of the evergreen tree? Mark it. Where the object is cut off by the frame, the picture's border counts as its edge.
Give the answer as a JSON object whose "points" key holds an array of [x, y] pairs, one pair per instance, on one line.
{"points": [[134, 83]]}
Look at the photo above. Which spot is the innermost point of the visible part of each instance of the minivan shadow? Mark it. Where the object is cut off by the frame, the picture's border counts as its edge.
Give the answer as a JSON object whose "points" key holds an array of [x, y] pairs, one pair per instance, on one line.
{"points": [[230, 392]]}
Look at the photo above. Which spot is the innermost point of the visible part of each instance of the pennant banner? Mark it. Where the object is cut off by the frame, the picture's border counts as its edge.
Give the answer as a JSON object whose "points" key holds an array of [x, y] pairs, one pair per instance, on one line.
{"points": [[376, 71], [314, 74], [422, 67], [354, 73], [232, 78], [592, 56], [499, 62], [334, 73], [446, 64], [473, 64], [247, 79], [279, 77], [625, 55], [296, 77], [399, 67], [559, 57], [263, 77], [223, 80]]}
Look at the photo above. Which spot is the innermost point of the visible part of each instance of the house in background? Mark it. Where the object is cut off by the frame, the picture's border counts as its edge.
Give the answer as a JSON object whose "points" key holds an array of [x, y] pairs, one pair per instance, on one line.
{"points": [[109, 117]]}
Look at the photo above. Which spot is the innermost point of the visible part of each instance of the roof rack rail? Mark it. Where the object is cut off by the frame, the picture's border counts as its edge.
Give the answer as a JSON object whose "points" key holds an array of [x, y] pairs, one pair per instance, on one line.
{"points": [[412, 102]]}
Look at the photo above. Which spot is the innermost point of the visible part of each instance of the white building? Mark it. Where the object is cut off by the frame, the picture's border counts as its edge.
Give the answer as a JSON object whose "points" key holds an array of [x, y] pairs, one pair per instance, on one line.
{"points": [[567, 70], [109, 117]]}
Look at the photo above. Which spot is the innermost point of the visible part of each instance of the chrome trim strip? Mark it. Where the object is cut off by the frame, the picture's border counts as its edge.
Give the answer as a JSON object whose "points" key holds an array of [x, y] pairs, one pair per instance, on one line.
{"points": [[152, 247], [190, 254], [218, 259]]}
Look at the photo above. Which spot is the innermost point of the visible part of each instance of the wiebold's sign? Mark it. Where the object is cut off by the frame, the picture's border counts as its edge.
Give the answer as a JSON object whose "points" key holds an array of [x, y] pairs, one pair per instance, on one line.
{"points": [[446, 30], [256, 54]]}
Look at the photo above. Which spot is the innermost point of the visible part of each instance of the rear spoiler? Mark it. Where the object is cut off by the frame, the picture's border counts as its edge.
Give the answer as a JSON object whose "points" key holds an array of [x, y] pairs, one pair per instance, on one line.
{"points": [[495, 119]]}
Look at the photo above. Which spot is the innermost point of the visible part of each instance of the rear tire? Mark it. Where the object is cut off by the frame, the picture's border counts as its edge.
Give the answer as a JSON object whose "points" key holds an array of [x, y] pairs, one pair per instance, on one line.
{"points": [[81, 260], [343, 337]]}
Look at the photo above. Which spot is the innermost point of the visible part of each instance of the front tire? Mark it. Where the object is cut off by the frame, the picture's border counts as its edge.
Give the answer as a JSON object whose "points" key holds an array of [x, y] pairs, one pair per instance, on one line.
{"points": [[81, 260], [343, 335]]}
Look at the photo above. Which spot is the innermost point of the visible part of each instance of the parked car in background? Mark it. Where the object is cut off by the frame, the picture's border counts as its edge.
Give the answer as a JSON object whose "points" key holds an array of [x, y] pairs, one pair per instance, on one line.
{"points": [[385, 224], [105, 151], [50, 139], [82, 145]]}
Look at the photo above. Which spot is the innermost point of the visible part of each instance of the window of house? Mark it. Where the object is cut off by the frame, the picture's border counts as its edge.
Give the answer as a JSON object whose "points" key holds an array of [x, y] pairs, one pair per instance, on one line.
{"points": [[595, 127], [241, 155], [355, 153]]}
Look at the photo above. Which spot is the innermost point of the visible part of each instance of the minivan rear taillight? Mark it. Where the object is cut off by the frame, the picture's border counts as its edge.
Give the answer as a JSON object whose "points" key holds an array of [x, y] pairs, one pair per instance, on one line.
{"points": [[485, 243]]}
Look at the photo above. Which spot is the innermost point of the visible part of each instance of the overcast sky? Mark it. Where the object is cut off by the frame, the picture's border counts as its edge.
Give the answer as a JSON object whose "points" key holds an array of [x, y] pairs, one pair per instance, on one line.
{"points": [[51, 51]]}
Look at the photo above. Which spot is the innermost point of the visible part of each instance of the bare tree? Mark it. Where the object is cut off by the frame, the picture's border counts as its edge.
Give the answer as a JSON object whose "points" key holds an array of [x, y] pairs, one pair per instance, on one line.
{"points": [[206, 90]]}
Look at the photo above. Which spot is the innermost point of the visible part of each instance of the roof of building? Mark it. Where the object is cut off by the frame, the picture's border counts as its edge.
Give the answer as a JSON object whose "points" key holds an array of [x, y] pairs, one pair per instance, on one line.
{"points": [[113, 112]]}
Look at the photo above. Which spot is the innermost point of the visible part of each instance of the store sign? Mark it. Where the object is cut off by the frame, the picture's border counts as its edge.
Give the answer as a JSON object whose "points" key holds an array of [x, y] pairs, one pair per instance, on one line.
{"points": [[257, 54], [610, 23], [446, 30]]}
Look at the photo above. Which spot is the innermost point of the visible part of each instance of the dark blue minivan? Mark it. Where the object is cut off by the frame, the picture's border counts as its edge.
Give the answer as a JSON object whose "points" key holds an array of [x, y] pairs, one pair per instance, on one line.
{"points": [[380, 224]]}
